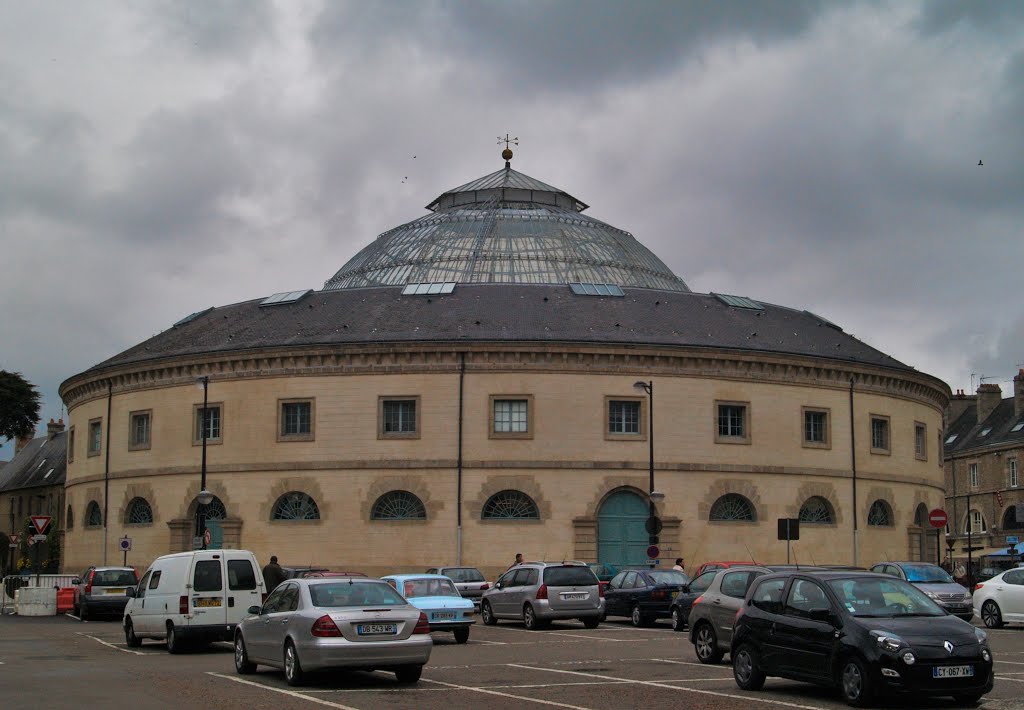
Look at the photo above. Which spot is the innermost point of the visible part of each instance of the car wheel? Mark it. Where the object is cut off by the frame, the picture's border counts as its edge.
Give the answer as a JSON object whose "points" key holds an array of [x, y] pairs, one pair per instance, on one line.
{"points": [[678, 620], [991, 615], [530, 618], [745, 668], [855, 683], [130, 638], [637, 618], [174, 644], [592, 622], [243, 666], [408, 674], [292, 667], [487, 615], [705, 643], [967, 700], [462, 635]]}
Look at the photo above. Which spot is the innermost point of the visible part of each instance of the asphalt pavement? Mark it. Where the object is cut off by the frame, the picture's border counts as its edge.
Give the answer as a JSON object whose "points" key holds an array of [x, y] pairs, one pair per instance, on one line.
{"points": [[58, 662]]}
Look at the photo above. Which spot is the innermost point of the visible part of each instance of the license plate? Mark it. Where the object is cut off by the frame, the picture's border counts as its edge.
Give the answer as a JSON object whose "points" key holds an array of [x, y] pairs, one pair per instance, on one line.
{"points": [[442, 615], [673, 596], [953, 672], [574, 595], [206, 603], [115, 591], [371, 629]]}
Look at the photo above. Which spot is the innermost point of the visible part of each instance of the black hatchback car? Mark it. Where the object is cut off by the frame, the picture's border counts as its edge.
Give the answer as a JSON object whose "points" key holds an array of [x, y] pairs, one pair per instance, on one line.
{"points": [[867, 634]]}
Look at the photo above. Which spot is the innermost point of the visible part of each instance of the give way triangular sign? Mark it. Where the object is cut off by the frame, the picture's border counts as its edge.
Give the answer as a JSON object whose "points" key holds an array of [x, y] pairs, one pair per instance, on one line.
{"points": [[42, 522]]}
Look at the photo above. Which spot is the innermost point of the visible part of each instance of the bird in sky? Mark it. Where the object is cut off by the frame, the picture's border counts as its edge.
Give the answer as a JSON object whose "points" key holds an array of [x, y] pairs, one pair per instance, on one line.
{"points": [[980, 163]]}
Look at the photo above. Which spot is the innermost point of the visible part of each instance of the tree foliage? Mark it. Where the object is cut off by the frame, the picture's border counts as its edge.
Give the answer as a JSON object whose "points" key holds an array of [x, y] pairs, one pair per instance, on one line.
{"points": [[19, 406]]}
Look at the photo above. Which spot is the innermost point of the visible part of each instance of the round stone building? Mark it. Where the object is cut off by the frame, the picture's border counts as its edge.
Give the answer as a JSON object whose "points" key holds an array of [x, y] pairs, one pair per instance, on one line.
{"points": [[468, 386]]}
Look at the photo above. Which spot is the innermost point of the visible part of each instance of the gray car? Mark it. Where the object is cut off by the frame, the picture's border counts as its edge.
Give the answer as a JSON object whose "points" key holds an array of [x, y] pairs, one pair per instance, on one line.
{"points": [[539, 592], [468, 580], [314, 624], [933, 581], [103, 590]]}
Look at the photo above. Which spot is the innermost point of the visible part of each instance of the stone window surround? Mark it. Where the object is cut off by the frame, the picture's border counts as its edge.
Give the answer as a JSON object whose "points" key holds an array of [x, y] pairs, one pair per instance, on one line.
{"points": [[827, 443], [644, 418], [528, 434], [973, 475], [1013, 472], [99, 448], [888, 431], [923, 428], [746, 438], [311, 435], [210, 441], [415, 434], [132, 444]]}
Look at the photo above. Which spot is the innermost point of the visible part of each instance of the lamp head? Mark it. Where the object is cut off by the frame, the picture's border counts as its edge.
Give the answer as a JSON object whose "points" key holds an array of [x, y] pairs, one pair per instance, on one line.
{"points": [[204, 497], [202, 382], [657, 496], [641, 385]]}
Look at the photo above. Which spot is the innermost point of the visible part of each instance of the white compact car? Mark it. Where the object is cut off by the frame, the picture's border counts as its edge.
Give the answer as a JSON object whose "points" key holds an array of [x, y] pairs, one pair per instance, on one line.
{"points": [[1001, 599]]}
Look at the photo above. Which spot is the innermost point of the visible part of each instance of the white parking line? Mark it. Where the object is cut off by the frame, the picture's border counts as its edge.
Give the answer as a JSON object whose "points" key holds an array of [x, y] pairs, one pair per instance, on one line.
{"points": [[282, 691], [1012, 663], [493, 643], [72, 616], [1015, 680], [691, 663], [505, 695], [657, 684], [110, 645]]}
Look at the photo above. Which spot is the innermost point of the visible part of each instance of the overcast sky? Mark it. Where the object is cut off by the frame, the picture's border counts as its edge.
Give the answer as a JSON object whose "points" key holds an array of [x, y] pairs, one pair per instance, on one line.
{"points": [[157, 158]]}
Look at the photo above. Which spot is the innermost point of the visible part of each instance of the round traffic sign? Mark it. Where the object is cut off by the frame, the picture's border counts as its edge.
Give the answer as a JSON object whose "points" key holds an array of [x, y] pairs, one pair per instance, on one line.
{"points": [[653, 525], [125, 544], [653, 552], [938, 518]]}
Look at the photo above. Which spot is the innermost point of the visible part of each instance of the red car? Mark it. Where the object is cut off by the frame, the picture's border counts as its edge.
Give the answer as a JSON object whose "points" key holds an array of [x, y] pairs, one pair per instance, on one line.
{"points": [[720, 564]]}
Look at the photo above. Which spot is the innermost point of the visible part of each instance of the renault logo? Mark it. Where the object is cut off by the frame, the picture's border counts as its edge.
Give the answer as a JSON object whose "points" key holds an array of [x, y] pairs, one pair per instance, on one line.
{"points": [[948, 646]]}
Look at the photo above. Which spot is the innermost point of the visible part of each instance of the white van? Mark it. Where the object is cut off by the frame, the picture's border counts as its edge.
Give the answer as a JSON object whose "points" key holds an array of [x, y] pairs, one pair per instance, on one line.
{"points": [[193, 597]]}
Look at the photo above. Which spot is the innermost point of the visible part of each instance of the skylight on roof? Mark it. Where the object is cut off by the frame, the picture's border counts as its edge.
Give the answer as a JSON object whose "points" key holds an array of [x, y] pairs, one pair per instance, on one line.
{"points": [[279, 299], [1018, 426], [428, 289], [739, 302], [589, 289], [49, 472], [985, 431], [192, 316], [951, 439]]}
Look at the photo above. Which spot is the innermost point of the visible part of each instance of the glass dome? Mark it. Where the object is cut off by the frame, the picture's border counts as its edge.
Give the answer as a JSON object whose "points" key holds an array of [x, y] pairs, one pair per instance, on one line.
{"points": [[506, 227]]}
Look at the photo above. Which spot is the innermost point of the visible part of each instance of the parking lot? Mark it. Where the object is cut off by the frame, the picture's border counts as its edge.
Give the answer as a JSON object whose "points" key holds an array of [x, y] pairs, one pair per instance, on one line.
{"points": [[74, 664]]}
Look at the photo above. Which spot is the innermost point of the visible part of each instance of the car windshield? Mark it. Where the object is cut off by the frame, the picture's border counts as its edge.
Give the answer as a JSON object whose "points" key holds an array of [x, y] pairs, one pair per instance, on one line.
{"points": [[703, 581], [429, 588], [668, 577], [927, 574], [878, 597], [569, 576], [114, 578], [464, 574], [342, 594]]}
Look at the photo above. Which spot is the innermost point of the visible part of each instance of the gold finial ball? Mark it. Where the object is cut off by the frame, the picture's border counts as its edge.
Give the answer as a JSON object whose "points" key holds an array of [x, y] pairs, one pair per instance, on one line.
{"points": [[506, 154]]}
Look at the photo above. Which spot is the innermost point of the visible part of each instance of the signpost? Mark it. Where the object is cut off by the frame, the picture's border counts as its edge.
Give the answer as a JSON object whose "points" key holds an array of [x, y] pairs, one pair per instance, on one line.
{"points": [[41, 523], [937, 518], [789, 529], [125, 543]]}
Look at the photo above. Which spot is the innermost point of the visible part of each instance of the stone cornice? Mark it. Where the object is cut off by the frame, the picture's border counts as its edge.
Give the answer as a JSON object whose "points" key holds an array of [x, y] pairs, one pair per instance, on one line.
{"points": [[565, 358]]}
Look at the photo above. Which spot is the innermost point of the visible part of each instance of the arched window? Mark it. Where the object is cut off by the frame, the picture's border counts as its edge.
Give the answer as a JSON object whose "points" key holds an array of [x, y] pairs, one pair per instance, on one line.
{"points": [[138, 512], [93, 515], [70, 520], [1012, 520], [732, 507], [398, 505], [976, 521], [510, 505], [215, 510], [817, 510], [921, 516], [295, 506], [880, 514]]}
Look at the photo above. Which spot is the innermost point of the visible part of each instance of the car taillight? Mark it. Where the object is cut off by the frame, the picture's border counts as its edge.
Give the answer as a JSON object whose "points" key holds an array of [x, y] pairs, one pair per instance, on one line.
{"points": [[542, 593], [739, 613], [600, 589], [485, 585], [659, 594], [182, 605], [978, 586], [325, 626], [698, 600], [88, 583], [422, 625]]}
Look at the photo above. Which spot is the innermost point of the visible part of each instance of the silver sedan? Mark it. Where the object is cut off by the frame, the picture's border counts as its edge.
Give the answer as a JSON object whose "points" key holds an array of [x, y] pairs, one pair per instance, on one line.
{"points": [[315, 624]]}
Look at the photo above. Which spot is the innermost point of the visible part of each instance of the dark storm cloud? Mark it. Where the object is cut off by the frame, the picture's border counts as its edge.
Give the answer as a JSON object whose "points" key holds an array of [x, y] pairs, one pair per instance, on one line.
{"points": [[215, 28], [528, 47], [997, 16]]}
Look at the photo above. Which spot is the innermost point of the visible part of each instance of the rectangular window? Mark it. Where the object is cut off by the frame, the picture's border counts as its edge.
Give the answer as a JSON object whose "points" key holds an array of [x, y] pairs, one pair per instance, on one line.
{"points": [[139, 429], [154, 582], [920, 441], [972, 470], [816, 428], [207, 577], [95, 436], [733, 422], [1014, 480], [214, 420], [71, 445], [511, 417], [879, 434], [625, 418], [241, 575], [396, 418], [977, 522], [295, 420]]}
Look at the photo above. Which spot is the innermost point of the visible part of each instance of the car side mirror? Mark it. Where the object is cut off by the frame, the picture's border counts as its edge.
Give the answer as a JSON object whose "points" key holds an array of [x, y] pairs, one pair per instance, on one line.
{"points": [[822, 615], [686, 589], [254, 610], [498, 585], [130, 592], [76, 581]]}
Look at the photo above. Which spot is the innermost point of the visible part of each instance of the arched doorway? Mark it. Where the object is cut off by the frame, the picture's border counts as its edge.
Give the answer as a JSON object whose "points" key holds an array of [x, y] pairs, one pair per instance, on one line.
{"points": [[621, 537], [215, 514]]}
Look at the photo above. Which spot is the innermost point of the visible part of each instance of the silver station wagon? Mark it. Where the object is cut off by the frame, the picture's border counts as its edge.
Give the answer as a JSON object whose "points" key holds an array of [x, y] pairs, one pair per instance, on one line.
{"points": [[316, 624], [540, 592]]}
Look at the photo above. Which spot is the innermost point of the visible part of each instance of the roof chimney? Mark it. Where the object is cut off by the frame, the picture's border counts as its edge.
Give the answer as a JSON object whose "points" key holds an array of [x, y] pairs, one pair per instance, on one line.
{"points": [[1018, 393], [989, 397], [959, 404], [54, 428], [21, 442]]}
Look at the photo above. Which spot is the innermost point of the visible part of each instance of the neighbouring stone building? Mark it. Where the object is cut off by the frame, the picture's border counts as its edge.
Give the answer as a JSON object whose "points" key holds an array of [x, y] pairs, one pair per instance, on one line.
{"points": [[465, 388]]}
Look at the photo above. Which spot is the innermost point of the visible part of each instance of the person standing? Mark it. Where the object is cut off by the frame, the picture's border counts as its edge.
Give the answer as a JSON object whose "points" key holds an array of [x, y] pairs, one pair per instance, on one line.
{"points": [[679, 565], [519, 560], [273, 574]]}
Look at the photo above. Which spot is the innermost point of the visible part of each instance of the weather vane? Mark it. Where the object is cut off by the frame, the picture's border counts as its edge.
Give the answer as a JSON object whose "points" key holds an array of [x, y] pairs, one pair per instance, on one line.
{"points": [[507, 153]]}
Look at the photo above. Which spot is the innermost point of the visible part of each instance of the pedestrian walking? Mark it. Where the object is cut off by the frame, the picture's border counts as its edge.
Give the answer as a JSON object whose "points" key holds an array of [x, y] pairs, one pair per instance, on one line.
{"points": [[679, 565], [273, 574]]}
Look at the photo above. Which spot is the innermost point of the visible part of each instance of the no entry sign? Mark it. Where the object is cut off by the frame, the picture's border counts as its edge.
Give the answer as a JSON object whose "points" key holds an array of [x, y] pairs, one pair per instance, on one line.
{"points": [[938, 518]]}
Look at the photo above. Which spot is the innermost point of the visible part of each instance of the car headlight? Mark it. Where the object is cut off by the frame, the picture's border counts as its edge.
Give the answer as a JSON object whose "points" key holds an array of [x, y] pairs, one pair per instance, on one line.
{"points": [[933, 595], [981, 635], [909, 658], [986, 655], [887, 641]]}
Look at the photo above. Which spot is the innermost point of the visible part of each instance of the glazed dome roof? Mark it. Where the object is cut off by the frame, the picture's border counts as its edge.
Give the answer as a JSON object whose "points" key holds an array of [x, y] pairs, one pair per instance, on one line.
{"points": [[506, 227]]}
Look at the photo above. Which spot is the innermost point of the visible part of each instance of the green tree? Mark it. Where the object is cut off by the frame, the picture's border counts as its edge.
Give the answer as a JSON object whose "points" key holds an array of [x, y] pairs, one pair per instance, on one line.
{"points": [[19, 406]]}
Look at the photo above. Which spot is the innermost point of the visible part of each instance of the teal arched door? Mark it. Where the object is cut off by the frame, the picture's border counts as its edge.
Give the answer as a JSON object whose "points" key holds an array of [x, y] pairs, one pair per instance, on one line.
{"points": [[621, 537]]}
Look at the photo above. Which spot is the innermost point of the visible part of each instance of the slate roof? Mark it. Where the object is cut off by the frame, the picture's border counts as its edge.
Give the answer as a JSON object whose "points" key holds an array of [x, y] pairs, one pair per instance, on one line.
{"points": [[43, 462], [968, 429], [506, 313], [506, 177]]}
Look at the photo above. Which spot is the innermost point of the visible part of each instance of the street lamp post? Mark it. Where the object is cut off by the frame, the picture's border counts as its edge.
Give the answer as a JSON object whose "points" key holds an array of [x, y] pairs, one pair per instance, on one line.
{"points": [[653, 495], [205, 497]]}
